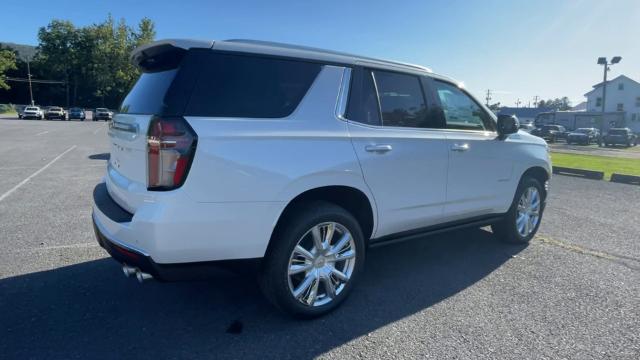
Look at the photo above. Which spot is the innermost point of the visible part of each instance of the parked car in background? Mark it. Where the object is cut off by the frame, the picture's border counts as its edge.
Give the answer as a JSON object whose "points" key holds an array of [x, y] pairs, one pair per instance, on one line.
{"points": [[20, 110], [77, 113], [296, 160], [527, 126], [32, 112], [55, 112], [620, 136], [583, 136], [102, 114], [551, 133]]}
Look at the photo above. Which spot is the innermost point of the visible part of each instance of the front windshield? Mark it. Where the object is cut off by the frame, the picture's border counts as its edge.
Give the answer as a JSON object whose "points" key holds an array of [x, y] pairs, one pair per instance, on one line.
{"points": [[583, 131]]}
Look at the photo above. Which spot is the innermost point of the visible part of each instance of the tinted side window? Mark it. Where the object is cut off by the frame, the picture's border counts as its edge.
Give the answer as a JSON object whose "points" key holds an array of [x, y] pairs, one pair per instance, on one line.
{"points": [[402, 100], [460, 110], [363, 101], [252, 87]]}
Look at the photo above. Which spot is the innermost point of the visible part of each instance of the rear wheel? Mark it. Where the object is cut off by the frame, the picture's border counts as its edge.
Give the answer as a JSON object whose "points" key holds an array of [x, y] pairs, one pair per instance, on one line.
{"points": [[521, 222], [314, 260]]}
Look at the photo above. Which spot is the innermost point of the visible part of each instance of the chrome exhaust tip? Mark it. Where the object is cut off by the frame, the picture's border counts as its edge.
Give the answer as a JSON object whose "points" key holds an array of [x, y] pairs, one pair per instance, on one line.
{"points": [[128, 270], [142, 276]]}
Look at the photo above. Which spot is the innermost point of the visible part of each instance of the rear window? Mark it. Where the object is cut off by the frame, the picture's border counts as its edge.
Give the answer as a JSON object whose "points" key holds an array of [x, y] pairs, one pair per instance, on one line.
{"points": [[250, 86], [147, 95], [402, 101]]}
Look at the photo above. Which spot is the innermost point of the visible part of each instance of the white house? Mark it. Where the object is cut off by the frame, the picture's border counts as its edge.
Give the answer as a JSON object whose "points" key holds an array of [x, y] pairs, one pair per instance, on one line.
{"points": [[623, 95]]}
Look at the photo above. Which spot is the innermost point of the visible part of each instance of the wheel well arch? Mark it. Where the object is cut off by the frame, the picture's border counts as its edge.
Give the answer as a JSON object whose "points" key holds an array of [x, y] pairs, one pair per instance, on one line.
{"points": [[349, 198], [539, 173]]}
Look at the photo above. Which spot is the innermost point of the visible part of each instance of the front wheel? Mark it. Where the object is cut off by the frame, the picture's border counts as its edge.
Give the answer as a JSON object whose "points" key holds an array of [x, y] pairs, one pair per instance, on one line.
{"points": [[521, 222], [314, 259]]}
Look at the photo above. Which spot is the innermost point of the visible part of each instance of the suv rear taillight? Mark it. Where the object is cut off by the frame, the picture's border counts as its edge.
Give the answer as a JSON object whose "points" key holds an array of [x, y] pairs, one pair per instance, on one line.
{"points": [[171, 144]]}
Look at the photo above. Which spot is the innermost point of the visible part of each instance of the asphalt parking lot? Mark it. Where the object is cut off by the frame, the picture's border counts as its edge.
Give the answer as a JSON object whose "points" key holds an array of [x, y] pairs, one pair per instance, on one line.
{"points": [[574, 292]]}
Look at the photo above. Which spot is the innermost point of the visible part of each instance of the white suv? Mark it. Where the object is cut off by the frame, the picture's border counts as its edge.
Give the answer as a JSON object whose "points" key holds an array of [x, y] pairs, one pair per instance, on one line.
{"points": [[296, 160]]}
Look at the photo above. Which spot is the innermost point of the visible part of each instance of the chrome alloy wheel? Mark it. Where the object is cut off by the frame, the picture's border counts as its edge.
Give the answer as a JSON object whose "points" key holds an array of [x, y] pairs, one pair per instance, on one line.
{"points": [[321, 264], [528, 211]]}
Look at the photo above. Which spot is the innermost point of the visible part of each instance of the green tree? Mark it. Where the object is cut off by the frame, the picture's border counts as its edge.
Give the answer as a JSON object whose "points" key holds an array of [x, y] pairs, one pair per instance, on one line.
{"points": [[57, 54], [495, 107], [94, 60], [7, 62], [558, 104]]}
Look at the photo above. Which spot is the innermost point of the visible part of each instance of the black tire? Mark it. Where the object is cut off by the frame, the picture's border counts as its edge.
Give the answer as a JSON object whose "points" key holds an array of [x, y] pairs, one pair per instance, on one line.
{"points": [[274, 278], [506, 229]]}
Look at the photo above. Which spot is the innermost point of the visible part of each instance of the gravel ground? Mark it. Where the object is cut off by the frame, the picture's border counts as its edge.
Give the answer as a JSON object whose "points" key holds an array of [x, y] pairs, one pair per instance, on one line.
{"points": [[572, 293]]}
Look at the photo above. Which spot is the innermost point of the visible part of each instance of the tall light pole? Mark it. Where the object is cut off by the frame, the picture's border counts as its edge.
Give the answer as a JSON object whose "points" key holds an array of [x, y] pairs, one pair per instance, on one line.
{"points": [[603, 61]]}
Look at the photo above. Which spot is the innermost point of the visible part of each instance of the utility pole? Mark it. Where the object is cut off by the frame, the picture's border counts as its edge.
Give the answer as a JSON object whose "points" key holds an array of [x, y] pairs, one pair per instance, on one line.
{"points": [[488, 97], [518, 102], [535, 101], [29, 77]]}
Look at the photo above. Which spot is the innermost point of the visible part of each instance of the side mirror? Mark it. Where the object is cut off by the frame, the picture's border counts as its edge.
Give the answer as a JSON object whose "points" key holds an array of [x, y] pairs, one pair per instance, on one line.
{"points": [[507, 124]]}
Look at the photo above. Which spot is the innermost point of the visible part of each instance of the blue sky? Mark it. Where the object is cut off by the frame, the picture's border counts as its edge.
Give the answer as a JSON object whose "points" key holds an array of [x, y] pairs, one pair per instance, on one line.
{"points": [[517, 48]]}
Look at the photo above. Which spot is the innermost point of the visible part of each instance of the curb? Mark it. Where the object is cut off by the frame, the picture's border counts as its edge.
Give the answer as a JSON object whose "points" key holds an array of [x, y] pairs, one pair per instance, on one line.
{"points": [[586, 174], [625, 179]]}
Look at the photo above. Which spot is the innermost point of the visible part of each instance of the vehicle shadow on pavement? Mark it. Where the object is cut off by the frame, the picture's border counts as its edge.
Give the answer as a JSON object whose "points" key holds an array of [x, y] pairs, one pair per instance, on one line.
{"points": [[90, 310], [101, 156]]}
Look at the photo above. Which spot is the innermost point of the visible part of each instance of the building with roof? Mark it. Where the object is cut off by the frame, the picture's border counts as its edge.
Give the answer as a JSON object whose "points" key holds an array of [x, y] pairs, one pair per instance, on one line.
{"points": [[623, 96]]}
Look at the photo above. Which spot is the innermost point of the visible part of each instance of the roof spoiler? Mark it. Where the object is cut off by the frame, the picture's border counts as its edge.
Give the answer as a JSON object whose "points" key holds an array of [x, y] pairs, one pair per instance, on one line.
{"points": [[156, 56]]}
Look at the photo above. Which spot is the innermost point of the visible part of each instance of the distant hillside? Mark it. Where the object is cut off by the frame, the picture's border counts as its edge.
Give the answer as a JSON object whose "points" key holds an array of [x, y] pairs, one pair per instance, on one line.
{"points": [[24, 51]]}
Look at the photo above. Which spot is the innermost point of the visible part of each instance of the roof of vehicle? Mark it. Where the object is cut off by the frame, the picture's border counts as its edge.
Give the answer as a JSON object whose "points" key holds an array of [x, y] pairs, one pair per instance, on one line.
{"points": [[279, 49]]}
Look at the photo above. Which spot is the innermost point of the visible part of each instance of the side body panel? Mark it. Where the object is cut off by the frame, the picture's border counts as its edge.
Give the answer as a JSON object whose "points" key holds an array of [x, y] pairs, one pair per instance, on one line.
{"points": [[244, 173]]}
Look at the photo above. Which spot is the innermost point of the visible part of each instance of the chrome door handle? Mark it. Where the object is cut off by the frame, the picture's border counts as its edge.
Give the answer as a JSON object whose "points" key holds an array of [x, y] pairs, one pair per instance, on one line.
{"points": [[460, 147], [378, 148]]}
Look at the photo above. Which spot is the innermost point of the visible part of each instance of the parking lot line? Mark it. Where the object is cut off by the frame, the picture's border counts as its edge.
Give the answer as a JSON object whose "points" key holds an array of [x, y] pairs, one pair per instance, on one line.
{"points": [[42, 133], [3, 196], [96, 130]]}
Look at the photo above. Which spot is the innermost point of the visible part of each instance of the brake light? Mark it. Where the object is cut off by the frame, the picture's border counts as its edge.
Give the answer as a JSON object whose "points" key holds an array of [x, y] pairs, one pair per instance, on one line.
{"points": [[171, 144]]}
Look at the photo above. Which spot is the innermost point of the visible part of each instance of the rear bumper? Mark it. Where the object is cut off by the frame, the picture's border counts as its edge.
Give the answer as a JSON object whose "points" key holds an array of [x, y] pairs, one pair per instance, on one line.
{"points": [[134, 256]]}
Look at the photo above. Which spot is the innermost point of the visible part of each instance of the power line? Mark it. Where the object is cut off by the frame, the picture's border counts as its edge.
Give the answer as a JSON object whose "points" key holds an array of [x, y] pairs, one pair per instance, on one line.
{"points": [[8, 78]]}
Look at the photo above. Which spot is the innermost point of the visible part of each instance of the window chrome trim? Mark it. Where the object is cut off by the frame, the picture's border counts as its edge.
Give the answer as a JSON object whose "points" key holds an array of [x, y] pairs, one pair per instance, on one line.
{"points": [[343, 95]]}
